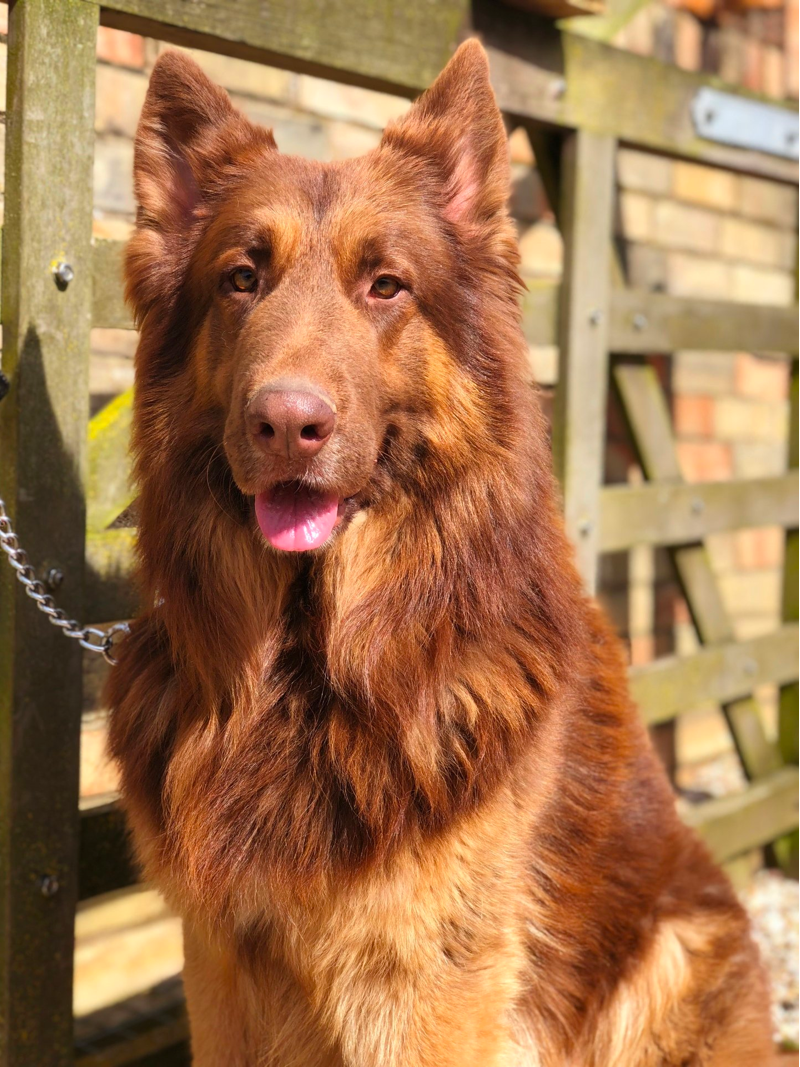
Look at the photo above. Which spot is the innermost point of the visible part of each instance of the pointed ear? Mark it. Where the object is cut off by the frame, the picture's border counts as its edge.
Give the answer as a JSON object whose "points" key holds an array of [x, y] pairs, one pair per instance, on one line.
{"points": [[457, 126], [178, 140]]}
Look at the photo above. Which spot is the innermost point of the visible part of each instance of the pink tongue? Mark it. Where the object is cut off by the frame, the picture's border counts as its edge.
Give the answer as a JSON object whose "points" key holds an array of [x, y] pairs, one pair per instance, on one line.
{"points": [[296, 519]]}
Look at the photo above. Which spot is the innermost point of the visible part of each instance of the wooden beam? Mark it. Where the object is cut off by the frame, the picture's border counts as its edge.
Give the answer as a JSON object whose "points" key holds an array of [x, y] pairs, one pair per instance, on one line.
{"points": [[735, 824], [665, 513], [579, 417], [538, 72], [643, 322], [105, 859], [645, 408], [48, 197], [110, 593], [669, 686]]}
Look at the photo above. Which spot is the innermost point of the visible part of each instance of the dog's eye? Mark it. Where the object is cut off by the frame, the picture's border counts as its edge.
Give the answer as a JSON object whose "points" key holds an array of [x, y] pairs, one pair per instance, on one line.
{"points": [[243, 279], [385, 287]]}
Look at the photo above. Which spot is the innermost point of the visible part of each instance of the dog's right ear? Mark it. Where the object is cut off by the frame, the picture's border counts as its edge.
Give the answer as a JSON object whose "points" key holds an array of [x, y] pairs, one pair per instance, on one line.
{"points": [[184, 121]]}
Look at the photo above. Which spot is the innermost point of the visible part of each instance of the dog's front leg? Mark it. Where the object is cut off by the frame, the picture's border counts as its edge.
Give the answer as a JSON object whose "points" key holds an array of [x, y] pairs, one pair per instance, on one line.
{"points": [[217, 1004]]}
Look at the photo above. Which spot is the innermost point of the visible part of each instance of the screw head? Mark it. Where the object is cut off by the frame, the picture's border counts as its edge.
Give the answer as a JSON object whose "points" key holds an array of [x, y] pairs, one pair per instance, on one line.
{"points": [[558, 88], [584, 526], [64, 274], [48, 885], [639, 321], [698, 506], [54, 578], [596, 317]]}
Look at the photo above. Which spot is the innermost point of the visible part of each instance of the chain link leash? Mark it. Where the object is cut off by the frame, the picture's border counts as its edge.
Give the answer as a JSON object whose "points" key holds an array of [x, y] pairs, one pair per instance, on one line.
{"points": [[88, 637]]}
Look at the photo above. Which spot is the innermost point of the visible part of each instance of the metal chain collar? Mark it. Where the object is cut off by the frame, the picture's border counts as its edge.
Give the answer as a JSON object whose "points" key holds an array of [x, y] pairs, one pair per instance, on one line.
{"points": [[88, 637]]}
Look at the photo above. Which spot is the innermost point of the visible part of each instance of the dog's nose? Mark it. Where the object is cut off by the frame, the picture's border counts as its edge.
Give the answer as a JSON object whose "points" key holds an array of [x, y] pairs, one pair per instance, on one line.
{"points": [[291, 420]]}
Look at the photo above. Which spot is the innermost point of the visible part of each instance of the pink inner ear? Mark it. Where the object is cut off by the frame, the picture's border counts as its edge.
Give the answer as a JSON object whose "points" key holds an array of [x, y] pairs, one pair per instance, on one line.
{"points": [[464, 187]]}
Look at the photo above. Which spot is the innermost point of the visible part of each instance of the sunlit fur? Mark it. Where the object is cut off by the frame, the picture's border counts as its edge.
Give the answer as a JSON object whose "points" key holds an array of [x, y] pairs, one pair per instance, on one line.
{"points": [[396, 786]]}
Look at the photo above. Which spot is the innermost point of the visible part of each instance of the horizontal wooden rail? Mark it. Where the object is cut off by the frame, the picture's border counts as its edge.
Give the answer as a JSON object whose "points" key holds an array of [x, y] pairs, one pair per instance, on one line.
{"points": [[140, 1042], [105, 861], [673, 513], [539, 72], [641, 321], [723, 673], [743, 821], [109, 592], [658, 323]]}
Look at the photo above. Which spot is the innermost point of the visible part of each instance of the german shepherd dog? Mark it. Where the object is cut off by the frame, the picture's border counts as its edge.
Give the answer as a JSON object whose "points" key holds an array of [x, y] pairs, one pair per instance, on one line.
{"points": [[375, 742]]}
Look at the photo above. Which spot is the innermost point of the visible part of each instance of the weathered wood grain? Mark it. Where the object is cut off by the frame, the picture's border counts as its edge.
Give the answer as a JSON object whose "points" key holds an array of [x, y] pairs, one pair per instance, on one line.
{"points": [[48, 212], [737, 823], [646, 411], [538, 72], [669, 686], [579, 417], [662, 513]]}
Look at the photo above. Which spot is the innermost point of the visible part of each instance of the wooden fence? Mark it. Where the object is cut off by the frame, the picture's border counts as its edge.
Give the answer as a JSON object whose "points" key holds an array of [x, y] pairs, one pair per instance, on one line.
{"points": [[578, 99]]}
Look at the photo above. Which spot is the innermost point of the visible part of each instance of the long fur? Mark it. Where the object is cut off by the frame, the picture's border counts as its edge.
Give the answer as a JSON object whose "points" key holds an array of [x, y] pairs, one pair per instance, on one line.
{"points": [[396, 786]]}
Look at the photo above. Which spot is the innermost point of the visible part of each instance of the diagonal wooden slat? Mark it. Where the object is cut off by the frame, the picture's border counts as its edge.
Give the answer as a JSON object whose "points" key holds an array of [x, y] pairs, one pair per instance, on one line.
{"points": [[646, 411]]}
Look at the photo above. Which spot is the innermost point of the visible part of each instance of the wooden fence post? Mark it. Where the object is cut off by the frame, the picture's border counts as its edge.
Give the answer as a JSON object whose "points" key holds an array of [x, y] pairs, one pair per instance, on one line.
{"points": [[579, 418], [46, 324]]}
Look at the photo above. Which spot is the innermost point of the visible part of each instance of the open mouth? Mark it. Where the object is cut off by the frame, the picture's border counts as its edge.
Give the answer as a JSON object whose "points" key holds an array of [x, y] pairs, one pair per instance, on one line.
{"points": [[294, 518]]}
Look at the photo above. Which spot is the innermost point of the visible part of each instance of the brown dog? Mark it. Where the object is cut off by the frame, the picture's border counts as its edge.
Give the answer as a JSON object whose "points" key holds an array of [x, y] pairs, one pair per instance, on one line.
{"points": [[376, 744]]}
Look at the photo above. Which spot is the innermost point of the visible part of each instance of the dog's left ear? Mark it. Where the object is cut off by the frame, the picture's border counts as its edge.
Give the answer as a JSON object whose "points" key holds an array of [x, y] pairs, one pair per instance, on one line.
{"points": [[456, 125]]}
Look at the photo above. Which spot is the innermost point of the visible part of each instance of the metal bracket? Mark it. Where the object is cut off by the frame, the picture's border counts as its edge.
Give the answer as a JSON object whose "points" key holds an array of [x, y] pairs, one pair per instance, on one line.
{"points": [[735, 120]]}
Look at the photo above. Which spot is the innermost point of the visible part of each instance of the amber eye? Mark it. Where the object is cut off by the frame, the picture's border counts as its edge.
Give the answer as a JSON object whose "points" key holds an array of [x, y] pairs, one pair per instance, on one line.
{"points": [[243, 279], [385, 287]]}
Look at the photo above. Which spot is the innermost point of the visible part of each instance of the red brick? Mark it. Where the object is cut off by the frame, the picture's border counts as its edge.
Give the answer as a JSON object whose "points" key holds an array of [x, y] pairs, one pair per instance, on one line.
{"points": [[762, 379], [790, 45], [753, 65], [694, 416], [774, 76], [123, 49], [759, 549], [642, 649], [705, 461], [688, 41]]}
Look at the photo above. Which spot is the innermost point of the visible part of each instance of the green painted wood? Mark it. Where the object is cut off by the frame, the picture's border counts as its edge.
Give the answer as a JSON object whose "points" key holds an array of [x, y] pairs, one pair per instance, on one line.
{"points": [[737, 823], [658, 323], [48, 210], [110, 592], [669, 686], [109, 491], [538, 72], [662, 513], [105, 861], [648, 417], [579, 418], [605, 26]]}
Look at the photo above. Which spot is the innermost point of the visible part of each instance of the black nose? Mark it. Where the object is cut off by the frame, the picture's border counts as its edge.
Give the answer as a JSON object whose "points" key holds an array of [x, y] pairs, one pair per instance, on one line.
{"points": [[294, 419]]}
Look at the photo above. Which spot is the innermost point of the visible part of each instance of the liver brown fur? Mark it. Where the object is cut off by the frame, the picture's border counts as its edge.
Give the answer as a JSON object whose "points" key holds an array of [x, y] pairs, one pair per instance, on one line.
{"points": [[395, 786]]}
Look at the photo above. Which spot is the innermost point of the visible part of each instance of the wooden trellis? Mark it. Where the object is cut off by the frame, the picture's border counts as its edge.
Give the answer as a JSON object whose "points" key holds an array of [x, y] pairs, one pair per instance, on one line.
{"points": [[579, 99]]}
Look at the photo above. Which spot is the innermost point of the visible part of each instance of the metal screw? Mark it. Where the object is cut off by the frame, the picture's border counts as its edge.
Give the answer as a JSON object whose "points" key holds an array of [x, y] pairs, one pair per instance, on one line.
{"points": [[48, 885], [750, 666], [54, 578], [698, 506], [558, 88], [791, 137], [639, 321], [584, 526], [63, 274], [596, 317], [710, 115]]}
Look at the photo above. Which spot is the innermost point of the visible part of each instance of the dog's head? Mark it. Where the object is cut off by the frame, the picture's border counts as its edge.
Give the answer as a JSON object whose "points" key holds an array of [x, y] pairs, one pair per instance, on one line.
{"points": [[328, 331]]}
